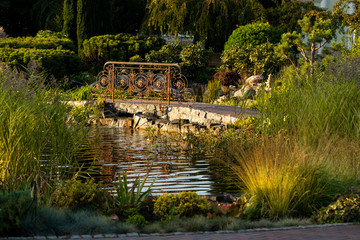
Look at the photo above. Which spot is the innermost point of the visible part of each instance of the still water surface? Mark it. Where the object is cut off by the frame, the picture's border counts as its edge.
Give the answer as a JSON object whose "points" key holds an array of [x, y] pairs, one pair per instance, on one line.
{"points": [[117, 150]]}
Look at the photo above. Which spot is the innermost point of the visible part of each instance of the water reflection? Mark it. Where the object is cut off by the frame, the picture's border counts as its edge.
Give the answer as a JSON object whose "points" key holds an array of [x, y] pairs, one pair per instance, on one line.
{"points": [[117, 150]]}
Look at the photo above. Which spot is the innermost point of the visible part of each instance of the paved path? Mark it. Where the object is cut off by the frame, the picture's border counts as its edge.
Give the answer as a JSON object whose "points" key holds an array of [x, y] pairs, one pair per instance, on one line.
{"points": [[220, 109]]}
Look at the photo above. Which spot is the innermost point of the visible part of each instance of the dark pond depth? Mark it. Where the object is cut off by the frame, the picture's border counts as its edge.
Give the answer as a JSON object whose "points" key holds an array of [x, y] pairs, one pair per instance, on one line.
{"points": [[117, 150]]}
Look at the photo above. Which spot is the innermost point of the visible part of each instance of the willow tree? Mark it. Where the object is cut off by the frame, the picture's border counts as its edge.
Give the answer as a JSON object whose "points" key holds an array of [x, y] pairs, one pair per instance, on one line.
{"points": [[211, 21]]}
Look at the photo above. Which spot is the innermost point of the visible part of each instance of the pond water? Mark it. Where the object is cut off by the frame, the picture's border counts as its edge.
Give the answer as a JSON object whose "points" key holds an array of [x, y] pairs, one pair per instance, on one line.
{"points": [[117, 150]]}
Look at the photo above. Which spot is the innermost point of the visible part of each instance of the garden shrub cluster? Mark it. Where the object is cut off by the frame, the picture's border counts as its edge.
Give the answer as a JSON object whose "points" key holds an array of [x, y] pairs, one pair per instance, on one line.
{"points": [[14, 207], [74, 194], [120, 47], [56, 62], [185, 204], [193, 59], [54, 54], [345, 209]]}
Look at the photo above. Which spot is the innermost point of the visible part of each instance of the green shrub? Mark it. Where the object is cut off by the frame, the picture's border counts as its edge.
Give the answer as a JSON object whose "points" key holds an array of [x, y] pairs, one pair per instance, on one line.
{"points": [[194, 55], [56, 62], [253, 34], [185, 204], [251, 59], [39, 42], [14, 207], [345, 209], [137, 219], [120, 47], [74, 194], [169, 53]]}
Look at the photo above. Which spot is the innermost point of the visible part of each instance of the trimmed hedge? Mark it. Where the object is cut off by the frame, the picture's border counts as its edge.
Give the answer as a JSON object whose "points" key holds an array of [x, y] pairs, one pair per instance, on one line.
{"points": [[55, 62], [120, 47], [38, 43]]}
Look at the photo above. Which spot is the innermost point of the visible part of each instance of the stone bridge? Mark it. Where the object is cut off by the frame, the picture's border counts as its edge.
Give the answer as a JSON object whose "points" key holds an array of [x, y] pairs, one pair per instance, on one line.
{"points": [[183, 116]]}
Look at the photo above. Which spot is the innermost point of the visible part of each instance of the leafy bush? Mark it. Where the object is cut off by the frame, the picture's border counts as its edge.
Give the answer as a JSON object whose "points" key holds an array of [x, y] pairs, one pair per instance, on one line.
{"points": [[74, 194], [251, 59], [14, 207], [120, 47], [185, 204], [194, 55], [169, 53], [55, 62], [345, 209], [41, 41], [227, 78], [253, 34]]}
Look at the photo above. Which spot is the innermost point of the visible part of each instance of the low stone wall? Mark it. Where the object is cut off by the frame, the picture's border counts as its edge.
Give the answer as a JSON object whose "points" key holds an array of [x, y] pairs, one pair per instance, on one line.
{"points": [[163, 117]]}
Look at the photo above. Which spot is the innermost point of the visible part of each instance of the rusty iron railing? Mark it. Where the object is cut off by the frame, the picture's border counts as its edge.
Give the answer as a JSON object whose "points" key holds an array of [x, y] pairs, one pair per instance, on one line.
{"points": [[139, 79]]}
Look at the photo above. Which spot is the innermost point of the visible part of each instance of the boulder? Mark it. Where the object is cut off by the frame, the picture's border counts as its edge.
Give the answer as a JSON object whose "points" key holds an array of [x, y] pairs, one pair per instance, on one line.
{"points": [[245, 92], [254, 80]]}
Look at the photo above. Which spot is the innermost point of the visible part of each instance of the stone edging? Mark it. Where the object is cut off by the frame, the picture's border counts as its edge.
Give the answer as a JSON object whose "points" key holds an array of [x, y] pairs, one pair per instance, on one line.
{"points": [[98, 236]]}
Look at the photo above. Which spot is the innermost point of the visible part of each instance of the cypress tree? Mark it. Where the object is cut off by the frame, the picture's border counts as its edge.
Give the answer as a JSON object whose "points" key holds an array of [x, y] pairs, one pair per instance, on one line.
{"points": [[81, 23], [69, 16]]}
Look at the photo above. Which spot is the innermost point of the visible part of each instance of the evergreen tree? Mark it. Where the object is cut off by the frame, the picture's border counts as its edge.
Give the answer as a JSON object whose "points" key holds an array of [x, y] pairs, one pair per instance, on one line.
{"points": [[69, 16]]}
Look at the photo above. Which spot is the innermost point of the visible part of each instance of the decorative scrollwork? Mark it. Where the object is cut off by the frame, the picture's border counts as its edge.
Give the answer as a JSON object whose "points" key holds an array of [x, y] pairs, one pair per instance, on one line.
{"points": [[141, 82], [122, 81], [180, 83], [159, 82], [144, 79], [103, 79]]}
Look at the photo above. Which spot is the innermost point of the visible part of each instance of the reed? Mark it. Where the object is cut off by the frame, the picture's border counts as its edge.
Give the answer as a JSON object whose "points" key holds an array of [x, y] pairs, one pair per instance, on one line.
{"points": [[36, 143]]}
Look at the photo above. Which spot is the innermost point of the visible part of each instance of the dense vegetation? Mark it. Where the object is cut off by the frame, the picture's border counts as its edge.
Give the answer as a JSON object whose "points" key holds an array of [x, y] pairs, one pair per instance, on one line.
{"points": [[298, 158]]}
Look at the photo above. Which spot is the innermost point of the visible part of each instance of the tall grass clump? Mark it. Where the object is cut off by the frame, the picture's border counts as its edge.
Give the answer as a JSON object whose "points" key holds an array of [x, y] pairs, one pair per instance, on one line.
{"points": [[309, 150], [324, 104], [282, 178], [36, 142]]}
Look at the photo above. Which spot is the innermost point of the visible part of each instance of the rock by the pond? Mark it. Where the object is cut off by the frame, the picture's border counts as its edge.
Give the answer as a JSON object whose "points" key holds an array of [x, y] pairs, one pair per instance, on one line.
{"points": [[245, 92], [254, 80]]}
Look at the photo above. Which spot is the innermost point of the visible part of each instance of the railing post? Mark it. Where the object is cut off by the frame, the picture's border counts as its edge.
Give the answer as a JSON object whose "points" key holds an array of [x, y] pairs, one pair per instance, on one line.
{"points": [[169, 79], [112, 81]]}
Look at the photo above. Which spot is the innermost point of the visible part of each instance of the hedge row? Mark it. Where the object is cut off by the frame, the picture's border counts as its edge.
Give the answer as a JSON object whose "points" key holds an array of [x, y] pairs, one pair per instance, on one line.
{"points": [[55, 62], [120, 47], [38, 43]]}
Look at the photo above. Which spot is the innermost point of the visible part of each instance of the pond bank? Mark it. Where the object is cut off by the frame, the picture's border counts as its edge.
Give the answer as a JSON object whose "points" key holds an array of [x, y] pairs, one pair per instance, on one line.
{"points": [[178, 116]]}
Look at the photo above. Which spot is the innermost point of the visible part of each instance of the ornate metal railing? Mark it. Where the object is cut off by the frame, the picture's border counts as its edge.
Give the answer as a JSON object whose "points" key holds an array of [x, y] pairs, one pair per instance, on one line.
{"points": [[140, 80]]}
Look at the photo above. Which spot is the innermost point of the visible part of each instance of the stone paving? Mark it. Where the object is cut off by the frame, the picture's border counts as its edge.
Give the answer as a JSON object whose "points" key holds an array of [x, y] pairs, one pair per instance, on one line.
{"points": [[316, 232]]}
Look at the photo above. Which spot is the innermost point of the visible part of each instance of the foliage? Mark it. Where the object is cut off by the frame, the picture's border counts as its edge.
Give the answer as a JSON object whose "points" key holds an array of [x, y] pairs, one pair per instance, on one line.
{"points": [[43, 40], [317, 29], [324, 104], [209, 21], [74, 194], [286, 15], [137, 219], [31, 128], [212, 91], [347, 11], [82, 114], [169, 53], [227, 78], [253, 34], [131, 197], [47, 14], [185, 204], [345, 209], [194, 56], [69, 18], [251, 60], [14, 207], [58, 63], [120, 47]]}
